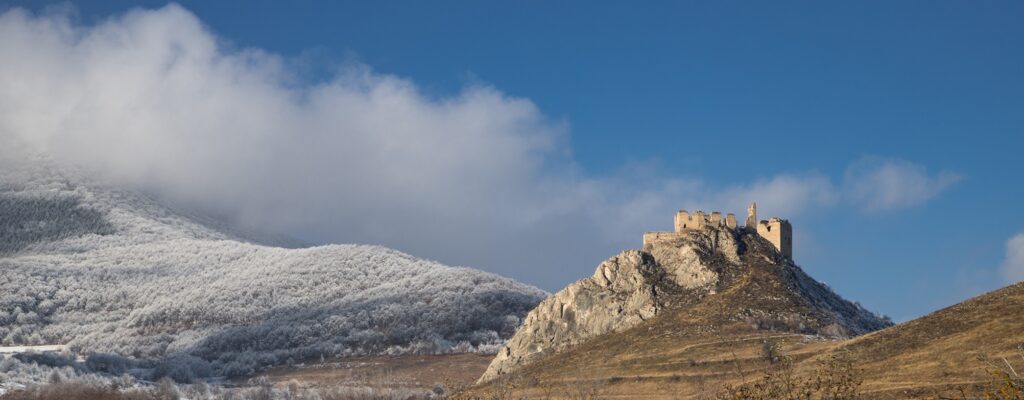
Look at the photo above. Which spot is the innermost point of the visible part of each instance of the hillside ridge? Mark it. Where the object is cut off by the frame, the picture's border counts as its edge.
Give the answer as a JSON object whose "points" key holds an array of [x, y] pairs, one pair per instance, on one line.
{"points": [[108, 270], [715, 274]]}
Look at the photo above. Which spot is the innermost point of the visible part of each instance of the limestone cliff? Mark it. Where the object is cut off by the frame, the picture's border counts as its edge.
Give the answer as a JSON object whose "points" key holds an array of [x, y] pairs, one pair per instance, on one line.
{"points": [[622, 293], [717, 275]]}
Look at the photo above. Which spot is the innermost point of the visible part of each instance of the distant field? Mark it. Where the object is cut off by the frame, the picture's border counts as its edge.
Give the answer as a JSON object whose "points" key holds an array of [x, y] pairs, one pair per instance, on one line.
{"points": [[25, 349], [421, 372]]}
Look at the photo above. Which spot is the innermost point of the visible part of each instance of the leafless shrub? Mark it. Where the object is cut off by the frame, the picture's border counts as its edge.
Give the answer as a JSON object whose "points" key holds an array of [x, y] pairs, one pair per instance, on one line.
{"points": [[834, 378], [771, 351], [1007, 381], [585, 385], [503, 388], [585, 389]]}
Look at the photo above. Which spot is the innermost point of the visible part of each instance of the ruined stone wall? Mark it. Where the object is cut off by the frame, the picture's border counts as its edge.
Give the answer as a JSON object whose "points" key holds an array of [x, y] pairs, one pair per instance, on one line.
{"points": [[700, 220], [777, 231], [650, 238], [686, 221]]}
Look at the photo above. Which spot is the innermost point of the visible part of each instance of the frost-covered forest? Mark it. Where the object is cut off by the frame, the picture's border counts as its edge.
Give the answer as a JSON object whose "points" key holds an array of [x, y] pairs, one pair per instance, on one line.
{"points": [[110, 271]]}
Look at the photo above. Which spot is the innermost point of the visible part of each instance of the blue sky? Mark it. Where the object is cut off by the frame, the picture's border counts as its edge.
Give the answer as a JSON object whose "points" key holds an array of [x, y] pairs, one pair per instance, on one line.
{"points": [[725, 93]]}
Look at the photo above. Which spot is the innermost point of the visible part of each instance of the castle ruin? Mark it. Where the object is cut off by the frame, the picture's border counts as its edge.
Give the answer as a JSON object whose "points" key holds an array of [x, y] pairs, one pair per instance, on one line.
{"points": [[776, 230]]}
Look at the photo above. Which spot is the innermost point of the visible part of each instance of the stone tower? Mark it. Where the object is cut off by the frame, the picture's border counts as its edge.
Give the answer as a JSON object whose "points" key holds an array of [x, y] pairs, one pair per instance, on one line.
{"points": [[751, 217], [780, 233]]}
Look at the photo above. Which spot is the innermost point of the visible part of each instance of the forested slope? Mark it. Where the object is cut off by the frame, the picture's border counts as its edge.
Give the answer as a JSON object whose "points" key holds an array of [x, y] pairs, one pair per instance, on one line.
{"points": [[112, 271]]}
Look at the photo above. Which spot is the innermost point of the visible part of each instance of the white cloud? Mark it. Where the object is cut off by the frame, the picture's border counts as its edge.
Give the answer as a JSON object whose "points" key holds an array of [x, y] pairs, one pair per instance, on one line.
{"points": [[1013, 265], [152, 99], [783, 195], [878, 184]]}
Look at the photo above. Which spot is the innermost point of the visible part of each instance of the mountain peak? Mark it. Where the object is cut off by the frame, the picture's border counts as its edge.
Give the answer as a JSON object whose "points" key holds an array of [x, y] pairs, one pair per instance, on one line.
{"points": [[712, 274]]}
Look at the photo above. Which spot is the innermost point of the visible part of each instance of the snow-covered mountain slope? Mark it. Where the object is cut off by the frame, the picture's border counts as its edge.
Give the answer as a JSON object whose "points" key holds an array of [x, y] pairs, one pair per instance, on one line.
{"points": [[108, 270]]}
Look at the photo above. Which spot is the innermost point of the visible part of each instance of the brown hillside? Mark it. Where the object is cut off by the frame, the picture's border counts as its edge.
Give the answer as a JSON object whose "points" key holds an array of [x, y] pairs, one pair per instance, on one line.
{"points": [[693, 353], [946, 348], [697, 283]]}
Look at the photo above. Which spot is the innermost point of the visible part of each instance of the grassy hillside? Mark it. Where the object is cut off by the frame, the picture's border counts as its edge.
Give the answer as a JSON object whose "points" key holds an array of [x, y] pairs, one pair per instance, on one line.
{"points": [[693, 355], [948, 348]]}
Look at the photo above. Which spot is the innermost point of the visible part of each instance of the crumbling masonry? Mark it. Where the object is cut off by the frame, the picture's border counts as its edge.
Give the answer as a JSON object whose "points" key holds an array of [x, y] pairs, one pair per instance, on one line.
{"points": [[776, 230]]}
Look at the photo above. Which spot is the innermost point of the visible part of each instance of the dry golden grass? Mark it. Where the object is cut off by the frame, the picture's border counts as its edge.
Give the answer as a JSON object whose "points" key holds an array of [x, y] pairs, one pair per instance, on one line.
{"points": [[949, 354], [385, 372], [79, 391]]}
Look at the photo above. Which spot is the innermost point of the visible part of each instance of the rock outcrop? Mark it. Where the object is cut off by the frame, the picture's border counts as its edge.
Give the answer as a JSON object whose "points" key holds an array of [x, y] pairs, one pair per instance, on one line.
{"points": [[624, 291], [621, 294], [728, 276]]}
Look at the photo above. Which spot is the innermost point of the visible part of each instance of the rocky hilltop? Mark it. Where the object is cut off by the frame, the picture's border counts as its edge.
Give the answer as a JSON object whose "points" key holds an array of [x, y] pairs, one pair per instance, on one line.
{"points": [[718, 275]]}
